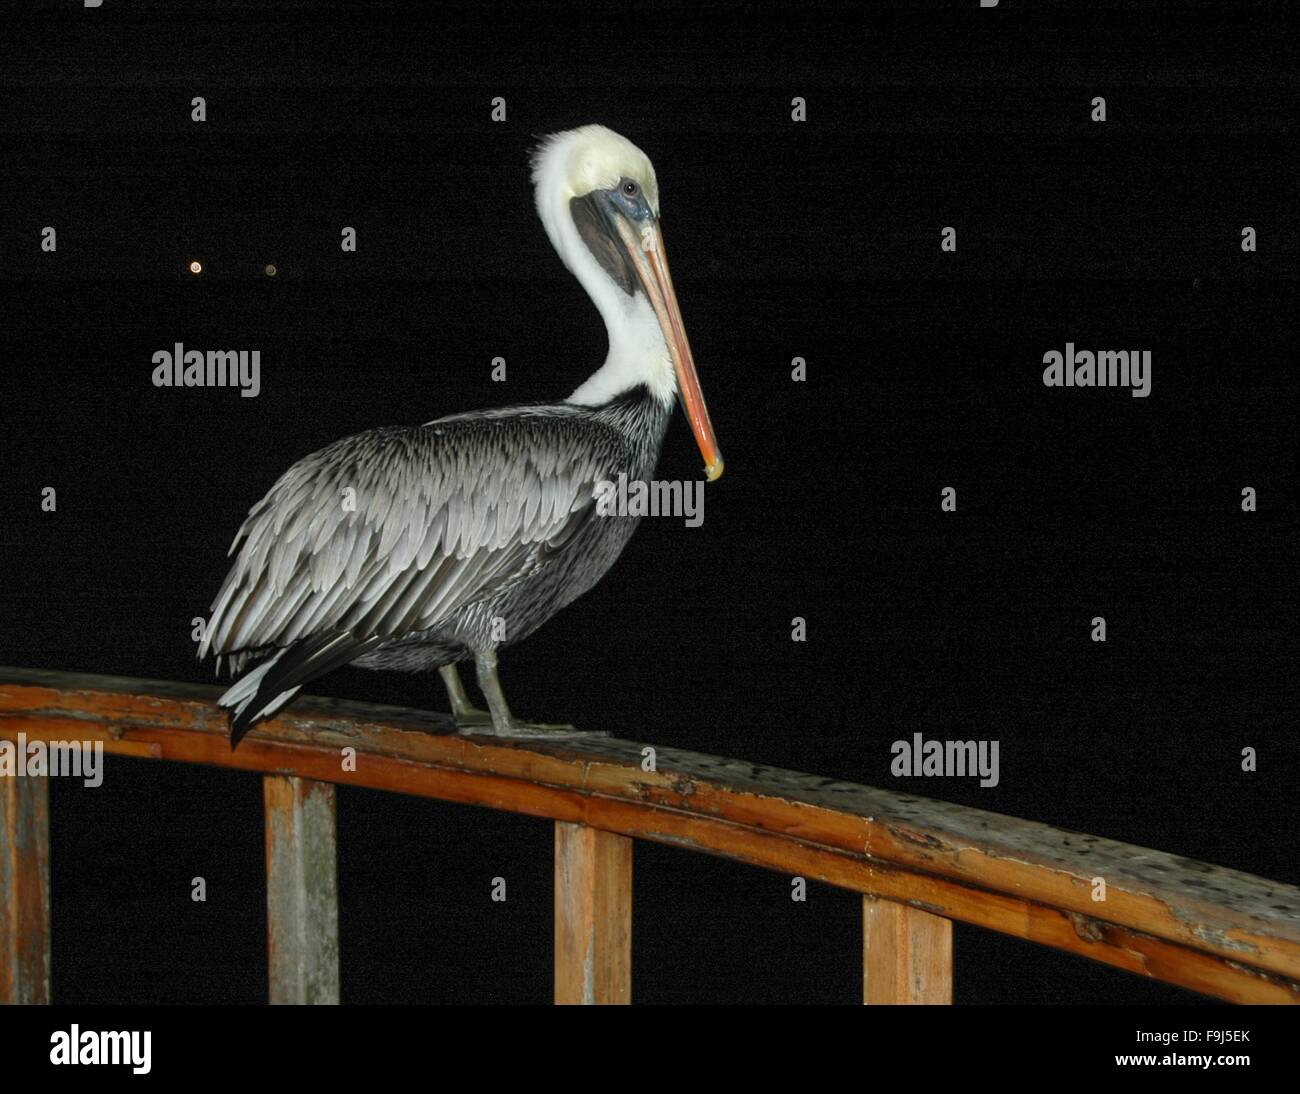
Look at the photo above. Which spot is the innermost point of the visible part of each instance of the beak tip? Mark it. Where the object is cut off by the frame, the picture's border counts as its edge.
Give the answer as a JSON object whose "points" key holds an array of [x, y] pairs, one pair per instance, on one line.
{"points": [[714, 470]]}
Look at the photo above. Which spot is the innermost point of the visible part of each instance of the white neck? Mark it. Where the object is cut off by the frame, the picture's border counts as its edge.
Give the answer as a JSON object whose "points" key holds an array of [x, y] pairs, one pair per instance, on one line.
{"points": [[638, 354]]}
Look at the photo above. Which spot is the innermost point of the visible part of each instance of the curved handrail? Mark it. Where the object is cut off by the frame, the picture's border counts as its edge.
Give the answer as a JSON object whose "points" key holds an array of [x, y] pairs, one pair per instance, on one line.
{"points": [[1183, 922]]}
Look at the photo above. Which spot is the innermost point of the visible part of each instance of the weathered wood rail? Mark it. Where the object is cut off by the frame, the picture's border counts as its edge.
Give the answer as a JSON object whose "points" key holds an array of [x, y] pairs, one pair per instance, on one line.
{"points": [[919, 864]]}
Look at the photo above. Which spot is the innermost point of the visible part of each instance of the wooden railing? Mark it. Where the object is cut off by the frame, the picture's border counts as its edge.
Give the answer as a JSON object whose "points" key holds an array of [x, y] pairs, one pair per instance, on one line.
{"points": [[918, 864]]}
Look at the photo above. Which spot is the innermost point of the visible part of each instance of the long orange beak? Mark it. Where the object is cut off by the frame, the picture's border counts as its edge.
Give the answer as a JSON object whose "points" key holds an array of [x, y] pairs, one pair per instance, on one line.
{"points": [[651, 262]]}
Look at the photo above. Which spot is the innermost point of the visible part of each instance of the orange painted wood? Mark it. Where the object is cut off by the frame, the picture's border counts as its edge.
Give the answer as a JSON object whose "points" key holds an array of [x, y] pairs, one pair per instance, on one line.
{"points": [[302, 895], [24, 889], [593, 915], [906, 954], [1211, 929]]}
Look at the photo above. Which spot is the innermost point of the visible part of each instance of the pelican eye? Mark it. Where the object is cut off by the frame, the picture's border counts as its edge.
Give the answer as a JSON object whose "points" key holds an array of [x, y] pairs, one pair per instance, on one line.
{"points": [[630, 188]]}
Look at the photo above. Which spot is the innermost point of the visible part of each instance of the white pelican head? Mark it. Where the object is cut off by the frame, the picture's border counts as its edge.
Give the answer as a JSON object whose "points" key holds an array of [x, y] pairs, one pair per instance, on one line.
{"points": [[598, 199]]}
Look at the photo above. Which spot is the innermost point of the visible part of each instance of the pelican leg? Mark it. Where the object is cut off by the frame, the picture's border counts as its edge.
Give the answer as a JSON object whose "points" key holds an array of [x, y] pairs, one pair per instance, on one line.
{"points": [[465, 712], [505, 724]]}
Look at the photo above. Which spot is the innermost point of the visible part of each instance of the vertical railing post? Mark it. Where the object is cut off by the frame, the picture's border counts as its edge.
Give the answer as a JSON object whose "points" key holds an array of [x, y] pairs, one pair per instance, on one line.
{"points": [[593, 915], [24, 889], [906, 954], [302, 891]]}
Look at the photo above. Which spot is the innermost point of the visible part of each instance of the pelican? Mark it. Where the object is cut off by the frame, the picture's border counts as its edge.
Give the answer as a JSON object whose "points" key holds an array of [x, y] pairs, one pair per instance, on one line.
{"points": [[414, 548]]}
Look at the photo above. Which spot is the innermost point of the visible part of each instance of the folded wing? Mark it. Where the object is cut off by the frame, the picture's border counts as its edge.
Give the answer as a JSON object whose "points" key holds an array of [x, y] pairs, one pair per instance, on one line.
{"points": [[389, 532]]}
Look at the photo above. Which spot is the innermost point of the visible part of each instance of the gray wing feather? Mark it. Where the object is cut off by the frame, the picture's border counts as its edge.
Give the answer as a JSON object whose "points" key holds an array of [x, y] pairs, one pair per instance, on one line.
{"points": [[443, 514]]}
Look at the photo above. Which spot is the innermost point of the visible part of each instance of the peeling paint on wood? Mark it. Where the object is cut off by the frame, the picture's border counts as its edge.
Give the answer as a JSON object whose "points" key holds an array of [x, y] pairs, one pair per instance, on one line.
{"points": [[1087, 929]]}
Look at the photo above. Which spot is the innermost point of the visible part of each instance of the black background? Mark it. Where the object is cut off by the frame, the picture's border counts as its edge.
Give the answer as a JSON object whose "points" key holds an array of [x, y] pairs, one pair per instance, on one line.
{"points": [[818, 240]]}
